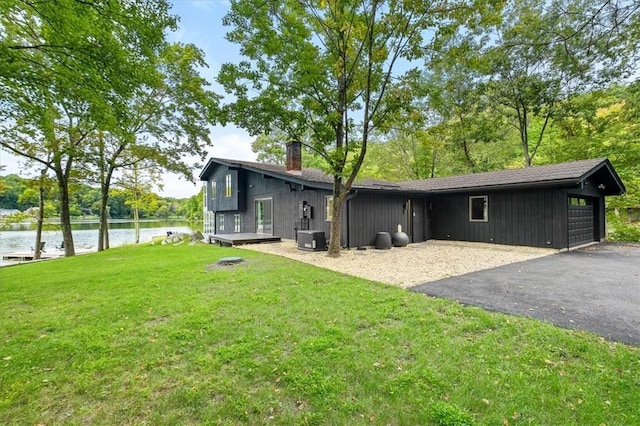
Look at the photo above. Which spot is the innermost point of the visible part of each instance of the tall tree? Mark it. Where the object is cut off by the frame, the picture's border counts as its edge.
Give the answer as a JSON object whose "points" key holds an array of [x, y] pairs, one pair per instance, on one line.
{"points": [[167, 123], [525, 72], [137, 182], [548, 52], [66, 69], [270, 148], [603, 124], [329, 72]]}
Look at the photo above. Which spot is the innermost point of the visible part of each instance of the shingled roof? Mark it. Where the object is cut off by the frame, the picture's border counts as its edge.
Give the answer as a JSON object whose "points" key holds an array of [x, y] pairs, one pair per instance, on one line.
{"points": [[571, 173], [308, 175], [574, 172]]}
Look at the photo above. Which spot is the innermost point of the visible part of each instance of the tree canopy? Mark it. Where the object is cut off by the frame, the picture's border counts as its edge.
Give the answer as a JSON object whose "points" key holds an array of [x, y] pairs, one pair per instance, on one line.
{"points": [[88, 87]]}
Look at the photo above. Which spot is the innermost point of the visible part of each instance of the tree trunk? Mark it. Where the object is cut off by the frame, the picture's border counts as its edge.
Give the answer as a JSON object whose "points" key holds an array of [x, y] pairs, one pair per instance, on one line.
{"points": [[103, 231], [136, 222], [65, 216], [38, 247], [335, 239]]}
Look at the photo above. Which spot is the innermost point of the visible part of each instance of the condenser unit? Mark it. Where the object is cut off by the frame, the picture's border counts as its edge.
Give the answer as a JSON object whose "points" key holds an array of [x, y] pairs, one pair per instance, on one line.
{"points": [[312, 240]]}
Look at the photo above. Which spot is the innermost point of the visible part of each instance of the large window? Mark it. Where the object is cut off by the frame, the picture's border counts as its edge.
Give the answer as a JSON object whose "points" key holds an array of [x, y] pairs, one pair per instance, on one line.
{"points": [[227, 185], [205, 196], [479, 209], [220, 221], [328, 206], [236, 223]]}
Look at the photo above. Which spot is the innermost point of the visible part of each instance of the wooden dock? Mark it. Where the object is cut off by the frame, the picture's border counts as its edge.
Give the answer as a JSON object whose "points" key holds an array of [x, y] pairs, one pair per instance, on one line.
{"points": [[243, 238], [28, 256], [19, 257]]}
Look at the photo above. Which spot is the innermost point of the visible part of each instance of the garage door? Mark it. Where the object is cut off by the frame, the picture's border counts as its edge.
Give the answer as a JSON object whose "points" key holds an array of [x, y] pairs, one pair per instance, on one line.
{"points": [[581, 221]]}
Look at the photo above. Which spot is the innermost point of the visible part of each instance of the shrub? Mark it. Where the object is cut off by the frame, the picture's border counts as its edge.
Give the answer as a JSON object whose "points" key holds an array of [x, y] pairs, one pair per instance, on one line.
{"points": [[619, 231]]}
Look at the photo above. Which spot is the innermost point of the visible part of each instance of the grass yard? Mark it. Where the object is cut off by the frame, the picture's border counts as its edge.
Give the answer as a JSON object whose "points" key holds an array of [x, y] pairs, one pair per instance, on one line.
{"points": [[158, 335]]}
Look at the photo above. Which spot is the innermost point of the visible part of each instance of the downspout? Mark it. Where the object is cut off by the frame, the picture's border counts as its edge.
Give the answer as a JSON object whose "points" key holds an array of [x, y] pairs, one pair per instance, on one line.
{"points": [[350, 197]]}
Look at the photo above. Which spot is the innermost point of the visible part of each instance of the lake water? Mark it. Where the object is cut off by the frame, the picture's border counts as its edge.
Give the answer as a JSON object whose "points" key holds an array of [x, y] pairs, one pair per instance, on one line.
{"points": [[85, 235]]}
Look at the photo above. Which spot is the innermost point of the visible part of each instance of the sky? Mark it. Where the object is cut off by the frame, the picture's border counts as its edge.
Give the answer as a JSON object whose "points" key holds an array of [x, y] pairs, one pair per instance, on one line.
{"points": [[200, 24]]}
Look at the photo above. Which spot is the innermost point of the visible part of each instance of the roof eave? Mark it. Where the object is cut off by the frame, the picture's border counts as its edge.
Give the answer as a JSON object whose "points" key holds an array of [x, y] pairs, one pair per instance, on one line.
{"points": [[522, 185], [298, 179], [621, 189]]}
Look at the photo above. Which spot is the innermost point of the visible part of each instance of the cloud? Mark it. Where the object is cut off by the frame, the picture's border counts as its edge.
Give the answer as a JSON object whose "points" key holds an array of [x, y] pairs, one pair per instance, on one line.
{"points": [[235, 145]]}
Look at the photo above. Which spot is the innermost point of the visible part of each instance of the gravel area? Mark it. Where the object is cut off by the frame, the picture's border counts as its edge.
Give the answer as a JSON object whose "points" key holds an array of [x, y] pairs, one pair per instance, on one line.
{"points": [[412, 265]]}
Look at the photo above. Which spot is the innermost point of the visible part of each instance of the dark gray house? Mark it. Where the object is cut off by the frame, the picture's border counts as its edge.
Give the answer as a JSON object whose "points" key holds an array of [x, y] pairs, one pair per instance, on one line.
{"points": [[558, 205]]}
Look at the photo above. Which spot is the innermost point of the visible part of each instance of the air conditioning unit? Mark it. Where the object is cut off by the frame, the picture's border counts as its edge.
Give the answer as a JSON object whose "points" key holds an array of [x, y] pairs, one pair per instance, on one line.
{"points": [[312, 240]]}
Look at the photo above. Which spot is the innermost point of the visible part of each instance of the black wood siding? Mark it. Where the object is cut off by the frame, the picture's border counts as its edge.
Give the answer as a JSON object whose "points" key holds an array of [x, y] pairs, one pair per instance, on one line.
{"points": [[370, 213], [237, 201], [535, 218], [286, 202]]}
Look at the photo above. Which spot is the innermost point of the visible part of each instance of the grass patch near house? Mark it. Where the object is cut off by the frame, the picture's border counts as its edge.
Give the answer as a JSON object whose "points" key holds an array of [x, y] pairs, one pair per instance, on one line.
{"points": [[161, 335]]}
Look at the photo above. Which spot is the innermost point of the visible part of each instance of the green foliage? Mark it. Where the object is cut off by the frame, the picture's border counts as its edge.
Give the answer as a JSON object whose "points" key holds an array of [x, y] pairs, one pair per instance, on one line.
{"points": [[67, 69], [192, 209], [513, 81], [603, 124], [326, 73], [163, 335], [270, 148], [14, 218], [620, 231], [12, 187]]}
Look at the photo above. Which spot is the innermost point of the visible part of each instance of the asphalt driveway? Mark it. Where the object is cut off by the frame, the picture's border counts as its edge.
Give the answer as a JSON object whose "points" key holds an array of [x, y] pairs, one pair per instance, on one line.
{"points": [[596, 289]]}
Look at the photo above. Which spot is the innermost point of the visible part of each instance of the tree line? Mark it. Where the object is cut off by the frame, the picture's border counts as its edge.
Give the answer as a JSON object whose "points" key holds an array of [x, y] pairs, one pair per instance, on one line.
{"points": [[18, 193]]}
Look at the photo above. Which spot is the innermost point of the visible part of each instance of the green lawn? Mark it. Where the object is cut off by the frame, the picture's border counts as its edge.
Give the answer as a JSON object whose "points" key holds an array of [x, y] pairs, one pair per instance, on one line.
{"points": [[156, 335]]}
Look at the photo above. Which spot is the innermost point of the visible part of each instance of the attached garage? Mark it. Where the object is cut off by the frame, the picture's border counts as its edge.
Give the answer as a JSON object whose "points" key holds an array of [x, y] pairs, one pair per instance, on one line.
{"points": [[581, 222], [557, 205]]}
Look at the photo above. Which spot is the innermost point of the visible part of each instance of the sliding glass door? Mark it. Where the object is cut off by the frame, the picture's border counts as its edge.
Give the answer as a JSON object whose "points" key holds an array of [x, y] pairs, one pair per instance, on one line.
{"points": [[264, 216]]}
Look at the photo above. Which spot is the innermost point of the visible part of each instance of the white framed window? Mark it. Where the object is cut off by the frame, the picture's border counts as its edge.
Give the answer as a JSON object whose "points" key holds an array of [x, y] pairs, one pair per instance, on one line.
{"points": [[236, 223], [479, 208], [328, 206], [214, 189], [209, 222], [205, 197], [227, 185], [220, 221]]}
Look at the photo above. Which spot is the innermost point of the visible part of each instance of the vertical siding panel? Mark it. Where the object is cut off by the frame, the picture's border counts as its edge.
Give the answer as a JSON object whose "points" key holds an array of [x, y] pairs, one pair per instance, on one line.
{"points": [[515, 217]]}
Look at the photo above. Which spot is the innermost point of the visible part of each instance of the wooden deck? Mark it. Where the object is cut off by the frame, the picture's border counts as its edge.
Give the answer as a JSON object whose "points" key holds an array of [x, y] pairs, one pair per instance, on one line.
{"points": [[244, 238]]}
